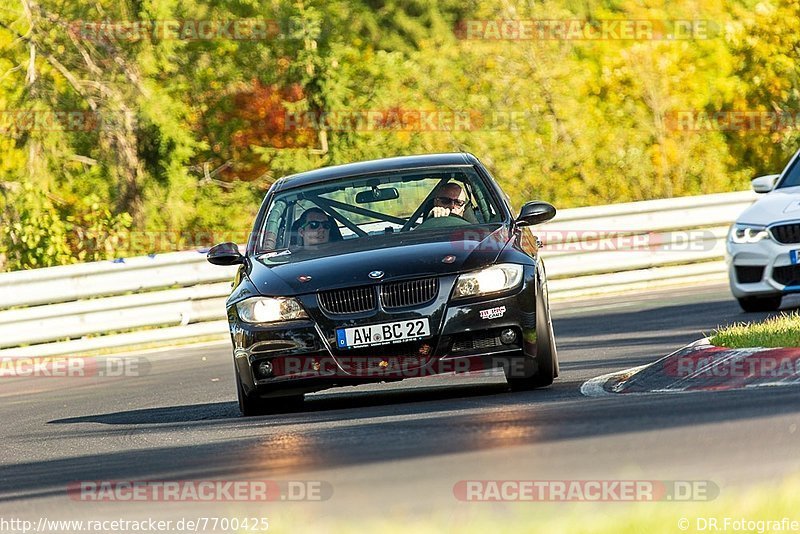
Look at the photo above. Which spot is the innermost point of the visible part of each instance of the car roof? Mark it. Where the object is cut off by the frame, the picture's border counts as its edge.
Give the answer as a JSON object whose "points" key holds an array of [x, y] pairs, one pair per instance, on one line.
{"points": [[376, 165]]}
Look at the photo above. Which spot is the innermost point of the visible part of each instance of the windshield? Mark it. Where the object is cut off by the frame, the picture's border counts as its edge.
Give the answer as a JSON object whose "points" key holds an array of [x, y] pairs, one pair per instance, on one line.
{"points": [[792, 178], [374, 208]]}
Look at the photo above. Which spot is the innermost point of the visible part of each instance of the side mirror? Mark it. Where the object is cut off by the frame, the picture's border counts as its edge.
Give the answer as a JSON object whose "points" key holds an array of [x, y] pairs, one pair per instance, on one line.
{"points": [[225, 254], [535, 212], [764, 184]]}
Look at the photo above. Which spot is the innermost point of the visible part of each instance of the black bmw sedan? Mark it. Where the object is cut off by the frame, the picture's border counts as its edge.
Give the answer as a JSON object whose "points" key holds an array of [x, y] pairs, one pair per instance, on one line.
{"points": [[384, 270]]}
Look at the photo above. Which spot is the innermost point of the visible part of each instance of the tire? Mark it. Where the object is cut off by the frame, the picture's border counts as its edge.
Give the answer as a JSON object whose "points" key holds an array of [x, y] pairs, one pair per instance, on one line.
{"points": [[544, 370], [252, 405], [542, 377], [760, 304]]}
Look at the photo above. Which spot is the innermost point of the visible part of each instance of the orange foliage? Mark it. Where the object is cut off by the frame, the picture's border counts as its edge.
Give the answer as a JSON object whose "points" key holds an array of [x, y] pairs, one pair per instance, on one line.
{"points": [[262, 112]]}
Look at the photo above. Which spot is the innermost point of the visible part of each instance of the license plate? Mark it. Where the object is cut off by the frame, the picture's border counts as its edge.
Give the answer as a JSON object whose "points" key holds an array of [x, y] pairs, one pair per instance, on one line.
{"points": [[378, 334], [795, 256]]}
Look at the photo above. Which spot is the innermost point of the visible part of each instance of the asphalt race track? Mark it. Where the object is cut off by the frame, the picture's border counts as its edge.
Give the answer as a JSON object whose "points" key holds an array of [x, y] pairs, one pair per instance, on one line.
{"points": [[397, 450]]}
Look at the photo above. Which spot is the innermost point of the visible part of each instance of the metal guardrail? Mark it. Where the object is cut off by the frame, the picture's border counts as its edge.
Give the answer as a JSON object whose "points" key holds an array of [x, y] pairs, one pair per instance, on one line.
{"points": [[180, 296]]}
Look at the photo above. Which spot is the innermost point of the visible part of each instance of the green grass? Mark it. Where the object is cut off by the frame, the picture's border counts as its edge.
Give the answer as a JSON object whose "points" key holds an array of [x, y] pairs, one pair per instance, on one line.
{"points": [[765, 502], [780, 331]]}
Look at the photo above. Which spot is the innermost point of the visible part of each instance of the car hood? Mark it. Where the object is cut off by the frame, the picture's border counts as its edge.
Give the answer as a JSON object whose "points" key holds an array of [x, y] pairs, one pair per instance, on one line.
{"points": [[776, 206], [399, 256]]}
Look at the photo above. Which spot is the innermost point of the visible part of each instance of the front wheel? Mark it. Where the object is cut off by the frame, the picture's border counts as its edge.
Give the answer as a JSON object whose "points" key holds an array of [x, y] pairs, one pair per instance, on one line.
{"points": [[251, 405], [538, 373], [760, 304], [541, 372], [541, 377]]}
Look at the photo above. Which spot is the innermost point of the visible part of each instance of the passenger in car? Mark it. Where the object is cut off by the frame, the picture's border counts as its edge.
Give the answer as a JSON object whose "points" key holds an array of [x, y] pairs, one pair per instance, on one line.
{"points": [[315, 227]]}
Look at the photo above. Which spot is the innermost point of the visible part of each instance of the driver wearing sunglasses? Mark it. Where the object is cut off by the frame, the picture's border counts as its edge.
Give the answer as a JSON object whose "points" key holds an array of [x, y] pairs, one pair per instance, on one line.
{"points": [[450, 199], [314, 227]]}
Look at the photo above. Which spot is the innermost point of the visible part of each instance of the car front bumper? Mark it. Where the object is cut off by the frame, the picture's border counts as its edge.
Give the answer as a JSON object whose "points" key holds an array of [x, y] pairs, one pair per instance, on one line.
{"points": [[762, 268], [466, 336]]}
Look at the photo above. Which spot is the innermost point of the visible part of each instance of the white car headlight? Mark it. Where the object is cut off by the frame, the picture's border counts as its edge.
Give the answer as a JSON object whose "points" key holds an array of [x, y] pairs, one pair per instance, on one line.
{"points": [[493, 279], [748, 233], [270, 310]]}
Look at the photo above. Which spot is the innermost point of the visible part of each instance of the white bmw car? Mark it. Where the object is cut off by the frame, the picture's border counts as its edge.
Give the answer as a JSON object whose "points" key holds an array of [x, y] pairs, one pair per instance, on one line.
{"points": [[763, 251]]}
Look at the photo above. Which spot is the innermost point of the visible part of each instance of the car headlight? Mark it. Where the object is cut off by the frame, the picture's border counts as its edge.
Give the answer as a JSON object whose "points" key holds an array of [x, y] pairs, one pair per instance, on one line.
{"points": [[748, 233], [493, 279], [270, 310]]}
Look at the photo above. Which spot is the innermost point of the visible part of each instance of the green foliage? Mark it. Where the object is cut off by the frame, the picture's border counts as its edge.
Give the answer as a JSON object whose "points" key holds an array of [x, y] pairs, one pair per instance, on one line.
{"points": [[33, 234], [186, 135], [41, 232], [765, 41], [94, 232]]}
